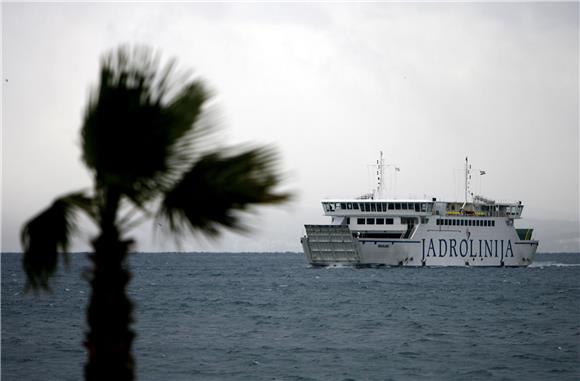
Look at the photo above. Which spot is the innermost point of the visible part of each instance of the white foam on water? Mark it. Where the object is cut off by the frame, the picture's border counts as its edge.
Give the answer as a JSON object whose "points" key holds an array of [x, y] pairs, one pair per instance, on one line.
{"points": [[339, 266], [554, 264]]}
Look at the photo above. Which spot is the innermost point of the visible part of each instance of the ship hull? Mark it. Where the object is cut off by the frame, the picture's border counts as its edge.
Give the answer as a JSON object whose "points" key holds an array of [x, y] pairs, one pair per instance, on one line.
{"points": [[326, 245]]}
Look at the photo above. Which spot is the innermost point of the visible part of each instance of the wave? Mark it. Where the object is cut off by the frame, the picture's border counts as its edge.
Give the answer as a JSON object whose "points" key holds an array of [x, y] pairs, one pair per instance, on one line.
{"points": [[554, 264]]}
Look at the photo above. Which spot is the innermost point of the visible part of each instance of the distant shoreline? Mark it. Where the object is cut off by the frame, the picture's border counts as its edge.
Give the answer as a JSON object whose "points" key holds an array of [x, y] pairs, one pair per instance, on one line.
{"points": [[249, 252], [185, 252]]}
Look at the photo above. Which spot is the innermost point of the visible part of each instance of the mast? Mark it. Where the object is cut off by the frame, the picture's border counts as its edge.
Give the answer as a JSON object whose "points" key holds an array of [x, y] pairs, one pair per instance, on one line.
{"points": [[380, 191], [380, 176], [467, 178]]}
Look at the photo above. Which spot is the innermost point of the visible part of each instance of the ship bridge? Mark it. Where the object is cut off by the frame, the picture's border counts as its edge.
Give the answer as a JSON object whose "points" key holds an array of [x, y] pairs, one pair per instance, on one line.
{"points": [[394, 207], [478, 208]]}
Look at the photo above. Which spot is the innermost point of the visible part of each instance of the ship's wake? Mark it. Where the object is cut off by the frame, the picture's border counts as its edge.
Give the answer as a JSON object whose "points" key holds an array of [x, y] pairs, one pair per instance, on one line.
{"points": [[554, 264]]}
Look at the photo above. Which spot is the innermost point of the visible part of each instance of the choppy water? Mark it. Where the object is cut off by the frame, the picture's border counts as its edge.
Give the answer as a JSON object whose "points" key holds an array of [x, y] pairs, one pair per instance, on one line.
{"points": [[270, 317]]}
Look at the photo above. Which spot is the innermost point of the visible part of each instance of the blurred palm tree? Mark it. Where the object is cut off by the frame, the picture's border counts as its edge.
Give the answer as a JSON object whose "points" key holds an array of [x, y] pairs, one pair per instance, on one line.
{"points": [[143, 142]]}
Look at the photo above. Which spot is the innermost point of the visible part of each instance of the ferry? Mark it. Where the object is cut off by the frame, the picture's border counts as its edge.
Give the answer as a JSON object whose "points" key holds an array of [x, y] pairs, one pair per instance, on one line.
{"points": [[371, 231]]}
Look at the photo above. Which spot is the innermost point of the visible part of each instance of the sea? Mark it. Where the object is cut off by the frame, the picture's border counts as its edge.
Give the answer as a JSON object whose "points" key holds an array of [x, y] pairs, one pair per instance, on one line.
{"points": [[269, 316]]}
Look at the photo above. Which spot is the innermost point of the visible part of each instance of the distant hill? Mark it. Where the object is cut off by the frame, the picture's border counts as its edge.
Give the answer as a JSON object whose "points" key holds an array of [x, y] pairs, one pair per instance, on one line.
{"points": [[554, 236]]}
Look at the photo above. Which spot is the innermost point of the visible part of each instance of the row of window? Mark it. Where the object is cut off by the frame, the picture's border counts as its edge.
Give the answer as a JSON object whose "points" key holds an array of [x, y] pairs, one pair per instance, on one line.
{"points": [[377, 206], [374, 221], [454, 222]]}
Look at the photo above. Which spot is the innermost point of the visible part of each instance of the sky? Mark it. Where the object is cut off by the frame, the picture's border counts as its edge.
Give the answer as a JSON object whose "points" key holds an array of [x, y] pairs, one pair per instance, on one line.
{"points": [[329, 85]]}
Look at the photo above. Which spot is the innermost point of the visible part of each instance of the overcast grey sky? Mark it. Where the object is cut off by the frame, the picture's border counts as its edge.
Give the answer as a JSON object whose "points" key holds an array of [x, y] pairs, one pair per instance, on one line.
{"points": [[329, 85]]}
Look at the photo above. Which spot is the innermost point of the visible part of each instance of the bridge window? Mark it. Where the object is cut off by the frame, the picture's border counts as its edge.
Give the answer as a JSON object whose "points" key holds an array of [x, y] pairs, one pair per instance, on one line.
{"points": [[349, 206], [423, 207], [417, 207], [370, 221], [355, 205], [360, 221], [391, 206], [367, 207], [380, 221], [373, 207], [404, 206], [397, 206], [384, 206]]}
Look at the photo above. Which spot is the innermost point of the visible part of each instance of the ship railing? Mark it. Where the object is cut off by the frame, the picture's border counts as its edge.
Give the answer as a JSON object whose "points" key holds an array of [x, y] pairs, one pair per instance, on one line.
{"points": [[481, 214]]}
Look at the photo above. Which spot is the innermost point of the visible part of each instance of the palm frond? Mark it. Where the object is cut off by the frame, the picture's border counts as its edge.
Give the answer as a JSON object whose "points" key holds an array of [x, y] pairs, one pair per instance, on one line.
{"points": [[139, 124], [48, 234], [218, 186]]}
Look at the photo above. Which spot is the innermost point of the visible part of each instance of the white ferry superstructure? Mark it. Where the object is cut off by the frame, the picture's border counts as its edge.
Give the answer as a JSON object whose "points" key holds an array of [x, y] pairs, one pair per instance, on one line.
{"points": [[375, 231]]}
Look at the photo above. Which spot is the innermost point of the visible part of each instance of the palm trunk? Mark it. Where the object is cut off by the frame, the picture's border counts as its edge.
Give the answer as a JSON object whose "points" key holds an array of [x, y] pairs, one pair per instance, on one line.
{"points": [[109, 339]]}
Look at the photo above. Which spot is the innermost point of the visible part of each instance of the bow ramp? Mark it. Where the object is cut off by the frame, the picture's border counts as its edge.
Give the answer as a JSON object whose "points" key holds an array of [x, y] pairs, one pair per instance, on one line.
{"points": [[328, 244]]}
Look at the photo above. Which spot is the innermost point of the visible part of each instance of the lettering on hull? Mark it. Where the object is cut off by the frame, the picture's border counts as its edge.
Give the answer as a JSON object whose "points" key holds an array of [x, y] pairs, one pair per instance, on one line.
{"points": [[467, 248]]}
